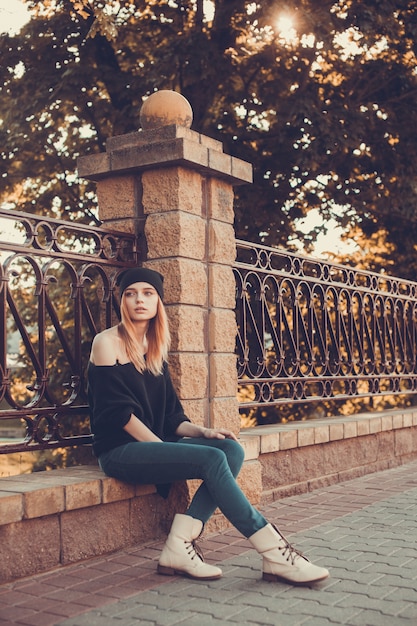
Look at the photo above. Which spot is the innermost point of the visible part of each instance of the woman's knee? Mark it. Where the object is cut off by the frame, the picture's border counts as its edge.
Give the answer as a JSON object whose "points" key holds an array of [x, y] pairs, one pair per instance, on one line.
{"points": [[235, 454], [234, 448], [217, 451]]}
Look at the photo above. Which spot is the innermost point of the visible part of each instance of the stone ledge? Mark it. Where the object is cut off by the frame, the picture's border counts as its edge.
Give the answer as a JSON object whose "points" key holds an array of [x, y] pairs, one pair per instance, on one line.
{"points": [[298, 458], [51, 519], [279, 437], [29, 496], [78, 513]]}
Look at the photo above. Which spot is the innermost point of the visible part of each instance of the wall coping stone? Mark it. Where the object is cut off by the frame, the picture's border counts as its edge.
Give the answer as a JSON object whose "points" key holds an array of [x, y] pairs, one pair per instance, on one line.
{"points": [[164, 147], [277, 437], [27, 496]]}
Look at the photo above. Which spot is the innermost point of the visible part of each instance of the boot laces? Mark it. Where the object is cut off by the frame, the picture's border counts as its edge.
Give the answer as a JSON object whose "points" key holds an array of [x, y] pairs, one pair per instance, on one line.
{"points": [[288, 550], [194, 550]]}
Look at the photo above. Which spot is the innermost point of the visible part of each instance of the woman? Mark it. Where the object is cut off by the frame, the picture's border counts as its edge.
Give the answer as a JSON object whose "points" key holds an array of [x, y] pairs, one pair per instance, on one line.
{"points": [[142, 436]]}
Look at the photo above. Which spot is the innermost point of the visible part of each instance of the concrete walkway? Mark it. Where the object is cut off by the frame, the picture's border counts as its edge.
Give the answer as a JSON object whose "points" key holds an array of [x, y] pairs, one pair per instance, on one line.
{"points": [[363, 530]]}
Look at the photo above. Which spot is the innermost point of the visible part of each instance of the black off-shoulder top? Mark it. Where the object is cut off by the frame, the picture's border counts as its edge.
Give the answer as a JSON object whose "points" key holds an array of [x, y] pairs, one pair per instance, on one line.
{"points": [[117, 391]]}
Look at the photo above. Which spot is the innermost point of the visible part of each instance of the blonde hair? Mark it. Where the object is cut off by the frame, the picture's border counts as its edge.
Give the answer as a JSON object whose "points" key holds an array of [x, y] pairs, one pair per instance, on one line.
{"points": [[158, 340]]}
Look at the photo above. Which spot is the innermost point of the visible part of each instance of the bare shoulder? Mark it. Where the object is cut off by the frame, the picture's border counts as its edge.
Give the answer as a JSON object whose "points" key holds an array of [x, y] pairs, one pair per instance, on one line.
{"points": [[106, 347]]}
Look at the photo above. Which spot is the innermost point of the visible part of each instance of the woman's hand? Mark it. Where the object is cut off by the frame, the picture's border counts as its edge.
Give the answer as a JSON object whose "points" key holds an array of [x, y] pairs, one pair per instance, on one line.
{"points": [[218, 433], [187, 429]]}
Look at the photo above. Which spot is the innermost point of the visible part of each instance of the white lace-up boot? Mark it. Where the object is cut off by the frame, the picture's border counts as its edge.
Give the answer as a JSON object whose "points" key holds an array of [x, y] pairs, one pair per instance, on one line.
{"points": [[282, 562], [180, 554]]}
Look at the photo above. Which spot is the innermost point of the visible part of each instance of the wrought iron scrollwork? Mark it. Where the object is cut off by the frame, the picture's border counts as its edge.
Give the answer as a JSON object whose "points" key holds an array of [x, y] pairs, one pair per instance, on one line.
{"points": [[309, 330], [57, 280]]}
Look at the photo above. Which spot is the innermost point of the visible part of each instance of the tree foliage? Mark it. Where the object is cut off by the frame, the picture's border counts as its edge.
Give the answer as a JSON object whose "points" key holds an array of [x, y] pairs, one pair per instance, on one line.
{"points": [[325, 111], [324, 107]]}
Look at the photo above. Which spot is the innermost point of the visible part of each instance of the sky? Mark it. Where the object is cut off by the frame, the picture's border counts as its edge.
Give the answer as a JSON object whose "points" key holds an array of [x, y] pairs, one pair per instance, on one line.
{"points": [[13, 15]]}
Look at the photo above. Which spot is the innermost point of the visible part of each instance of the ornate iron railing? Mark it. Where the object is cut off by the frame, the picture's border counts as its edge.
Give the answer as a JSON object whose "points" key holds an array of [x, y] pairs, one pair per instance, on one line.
{"points": [[308, 330], [311, 330], [56, 292]]}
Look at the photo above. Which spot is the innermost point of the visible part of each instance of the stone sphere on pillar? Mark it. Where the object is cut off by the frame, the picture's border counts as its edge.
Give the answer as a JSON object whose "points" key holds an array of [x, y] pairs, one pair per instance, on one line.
{"points": [[165, 107]]}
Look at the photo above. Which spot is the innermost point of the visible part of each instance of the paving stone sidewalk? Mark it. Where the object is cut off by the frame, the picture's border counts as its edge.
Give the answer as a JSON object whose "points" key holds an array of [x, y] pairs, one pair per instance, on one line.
{"points": [[363, 530]]}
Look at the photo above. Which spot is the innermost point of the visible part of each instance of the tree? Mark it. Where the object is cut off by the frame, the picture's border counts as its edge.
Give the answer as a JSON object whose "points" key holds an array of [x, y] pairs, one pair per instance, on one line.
{"points": [[323, 105], [325, 110]]}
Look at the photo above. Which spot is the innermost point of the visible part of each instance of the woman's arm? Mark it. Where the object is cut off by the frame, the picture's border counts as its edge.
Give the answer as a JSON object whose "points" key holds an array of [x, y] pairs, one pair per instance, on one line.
{"points": [[139, 431], [187, 429]]}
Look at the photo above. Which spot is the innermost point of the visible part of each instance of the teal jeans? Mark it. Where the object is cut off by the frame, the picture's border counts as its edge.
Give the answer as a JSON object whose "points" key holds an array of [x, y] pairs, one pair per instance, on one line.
{"points": [[216, 462]]}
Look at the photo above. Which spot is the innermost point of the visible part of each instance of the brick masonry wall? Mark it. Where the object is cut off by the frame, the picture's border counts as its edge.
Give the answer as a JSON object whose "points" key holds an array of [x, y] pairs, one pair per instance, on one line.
{"points": [[50, 519], [299, 457]]}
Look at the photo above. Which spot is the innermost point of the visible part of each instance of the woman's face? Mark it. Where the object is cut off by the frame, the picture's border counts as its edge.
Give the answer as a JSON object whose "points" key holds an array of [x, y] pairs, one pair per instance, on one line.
{"points": [[141, 301]]}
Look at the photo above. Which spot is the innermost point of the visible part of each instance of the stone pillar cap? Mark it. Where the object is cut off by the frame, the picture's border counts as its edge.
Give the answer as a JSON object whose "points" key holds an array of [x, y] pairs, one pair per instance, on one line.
{"points": [[166, 140], [165, 107]]}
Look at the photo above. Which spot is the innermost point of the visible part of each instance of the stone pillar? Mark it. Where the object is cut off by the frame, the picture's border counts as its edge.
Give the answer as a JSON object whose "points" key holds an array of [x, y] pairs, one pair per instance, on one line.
{"points": [[174, 188]]}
